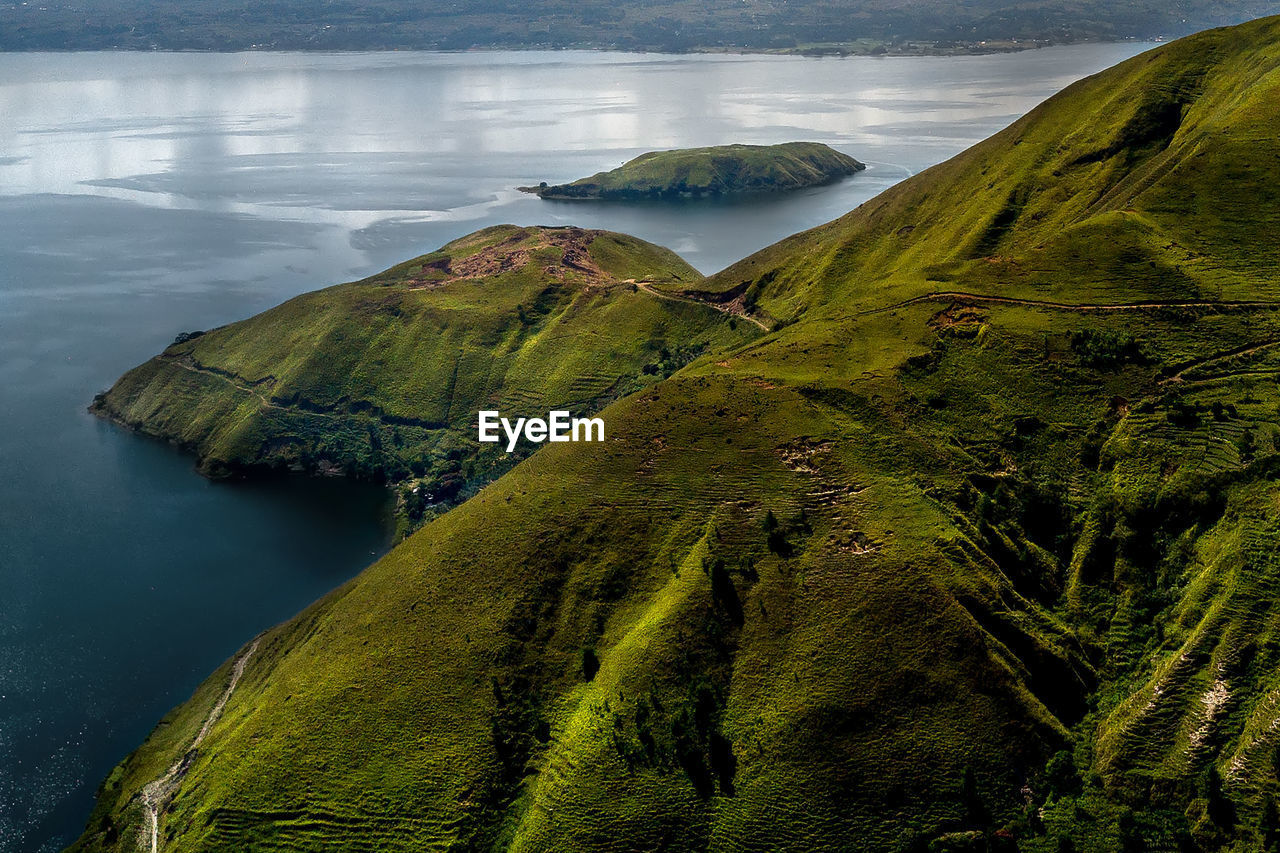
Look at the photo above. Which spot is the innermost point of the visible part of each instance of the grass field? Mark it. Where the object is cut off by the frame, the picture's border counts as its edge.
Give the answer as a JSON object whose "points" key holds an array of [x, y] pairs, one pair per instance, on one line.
{"points": [[976, 550]]}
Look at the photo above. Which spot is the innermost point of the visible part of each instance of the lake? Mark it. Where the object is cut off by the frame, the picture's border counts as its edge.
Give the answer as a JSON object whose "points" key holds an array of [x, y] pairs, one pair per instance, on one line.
{"points": [[146, 194]]}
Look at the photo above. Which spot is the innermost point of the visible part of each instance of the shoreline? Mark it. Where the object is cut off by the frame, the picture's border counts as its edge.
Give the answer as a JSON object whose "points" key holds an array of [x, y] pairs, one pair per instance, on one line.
{"points": [[833, 50]]}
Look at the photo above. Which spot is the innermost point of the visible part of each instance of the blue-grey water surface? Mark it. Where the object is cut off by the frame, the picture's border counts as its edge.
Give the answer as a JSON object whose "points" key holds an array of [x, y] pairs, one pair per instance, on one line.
{"points": [[146, 194]]}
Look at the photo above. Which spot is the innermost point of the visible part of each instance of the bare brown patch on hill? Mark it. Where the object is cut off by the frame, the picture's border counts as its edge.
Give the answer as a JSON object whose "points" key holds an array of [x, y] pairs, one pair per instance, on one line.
{"points": [[517, 251], [958, 320]]}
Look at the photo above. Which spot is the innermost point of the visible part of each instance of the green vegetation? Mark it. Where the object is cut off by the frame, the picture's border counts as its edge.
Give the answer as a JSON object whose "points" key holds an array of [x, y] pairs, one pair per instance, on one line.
{"points": [[383, 378], [863, 26], [977, 551], [722, 170]]}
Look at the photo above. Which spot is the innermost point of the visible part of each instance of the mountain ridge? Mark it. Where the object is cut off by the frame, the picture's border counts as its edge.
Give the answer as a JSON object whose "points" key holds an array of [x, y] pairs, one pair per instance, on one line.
{"points": [[976, 551]]}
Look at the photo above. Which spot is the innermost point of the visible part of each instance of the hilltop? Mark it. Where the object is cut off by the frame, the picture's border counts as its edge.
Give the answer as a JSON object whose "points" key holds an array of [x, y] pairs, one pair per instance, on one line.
{"points": [[382, 378], [715, 172], [978, 548]]}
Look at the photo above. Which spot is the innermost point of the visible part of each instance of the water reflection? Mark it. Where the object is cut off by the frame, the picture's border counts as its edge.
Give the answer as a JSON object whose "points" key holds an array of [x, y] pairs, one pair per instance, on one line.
{"points": [[382, 133]]}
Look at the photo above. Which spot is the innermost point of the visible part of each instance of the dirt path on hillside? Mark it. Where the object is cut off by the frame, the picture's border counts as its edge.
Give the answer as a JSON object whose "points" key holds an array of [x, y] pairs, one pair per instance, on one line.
{"points": [[1238, 352], [648, 288], [959, 296], [157, 794], [1178, 377], [204, 371], [979, 298]]}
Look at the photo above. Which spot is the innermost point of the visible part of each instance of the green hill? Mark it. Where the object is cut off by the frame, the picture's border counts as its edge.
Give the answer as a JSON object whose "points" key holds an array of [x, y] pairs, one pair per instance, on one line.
{"points": [[977, 551], [722, 170], [383, 378]]}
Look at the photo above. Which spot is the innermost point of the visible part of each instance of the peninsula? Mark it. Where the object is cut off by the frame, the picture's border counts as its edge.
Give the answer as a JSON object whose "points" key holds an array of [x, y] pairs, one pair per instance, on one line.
{"points": [[382, 379]]}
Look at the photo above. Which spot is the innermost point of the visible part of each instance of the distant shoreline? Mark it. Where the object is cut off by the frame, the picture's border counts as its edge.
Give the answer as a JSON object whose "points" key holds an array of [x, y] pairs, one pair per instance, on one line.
{"points": [[835, 50]]}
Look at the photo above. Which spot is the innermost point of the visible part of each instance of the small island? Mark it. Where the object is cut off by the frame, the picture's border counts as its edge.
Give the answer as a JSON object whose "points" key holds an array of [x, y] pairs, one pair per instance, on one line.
{"points": [[722, 170]]}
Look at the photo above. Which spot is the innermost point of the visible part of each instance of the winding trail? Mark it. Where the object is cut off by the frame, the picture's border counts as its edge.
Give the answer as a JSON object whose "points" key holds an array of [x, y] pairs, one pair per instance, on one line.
{"points": [[648, 288], [270, 403], [961, 296], [986, 299], [157, 794], [1247, 350], [204, 371], [1176, 378]]}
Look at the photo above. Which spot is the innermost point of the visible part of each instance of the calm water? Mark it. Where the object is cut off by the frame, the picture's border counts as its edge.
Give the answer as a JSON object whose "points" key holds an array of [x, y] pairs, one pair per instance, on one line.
{"points": [[144, 194]]}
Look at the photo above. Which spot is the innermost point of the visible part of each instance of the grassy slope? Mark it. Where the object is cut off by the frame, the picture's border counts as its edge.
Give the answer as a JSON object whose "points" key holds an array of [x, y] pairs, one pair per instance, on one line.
{"points": [[715, 171], [1044, 210], [889, 577], [383, 377]]}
